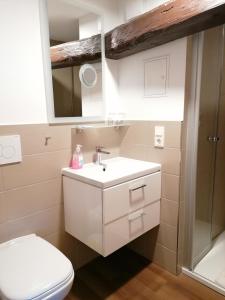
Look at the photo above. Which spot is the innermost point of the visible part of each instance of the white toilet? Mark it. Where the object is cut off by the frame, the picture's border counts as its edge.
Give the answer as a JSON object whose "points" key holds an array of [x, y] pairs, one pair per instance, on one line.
{"points": [[31, 268]]}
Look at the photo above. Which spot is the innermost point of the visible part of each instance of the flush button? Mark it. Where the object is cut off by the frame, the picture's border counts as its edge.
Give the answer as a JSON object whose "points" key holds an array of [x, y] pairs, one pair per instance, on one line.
{"points": [[8, 152], [10, 149]]}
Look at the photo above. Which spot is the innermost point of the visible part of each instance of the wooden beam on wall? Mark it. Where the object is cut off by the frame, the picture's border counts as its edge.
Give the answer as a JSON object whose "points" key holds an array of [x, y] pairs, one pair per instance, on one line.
{"points": [[166, 23], [76, 53]]}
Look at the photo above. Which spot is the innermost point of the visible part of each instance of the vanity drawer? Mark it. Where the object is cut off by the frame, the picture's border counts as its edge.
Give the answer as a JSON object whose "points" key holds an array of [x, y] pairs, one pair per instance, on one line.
{"points": [[130, 196], [124, 230]]}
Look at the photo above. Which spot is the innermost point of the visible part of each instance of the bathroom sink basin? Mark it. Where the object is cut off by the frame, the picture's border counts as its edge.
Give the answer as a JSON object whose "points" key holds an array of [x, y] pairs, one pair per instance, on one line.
{"points": [[117, 170]]}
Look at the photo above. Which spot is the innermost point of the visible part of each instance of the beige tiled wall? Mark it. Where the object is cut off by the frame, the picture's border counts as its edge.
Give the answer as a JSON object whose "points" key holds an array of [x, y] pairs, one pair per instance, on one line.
{"points": [[159, 244], [31, 191], [109, 138], [31, 198]]}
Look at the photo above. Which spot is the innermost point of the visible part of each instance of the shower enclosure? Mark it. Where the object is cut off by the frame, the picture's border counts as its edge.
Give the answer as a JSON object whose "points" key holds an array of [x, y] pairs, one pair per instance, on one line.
{"points": [[204, 175]]}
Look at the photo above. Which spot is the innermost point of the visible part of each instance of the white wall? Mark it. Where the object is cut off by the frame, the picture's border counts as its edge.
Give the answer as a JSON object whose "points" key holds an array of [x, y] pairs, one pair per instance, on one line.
{"points": [[89, 25], [133, 8], [107, 8], [151, 4], [22, 87], [131, 88], [134, 90], [22, 92]]}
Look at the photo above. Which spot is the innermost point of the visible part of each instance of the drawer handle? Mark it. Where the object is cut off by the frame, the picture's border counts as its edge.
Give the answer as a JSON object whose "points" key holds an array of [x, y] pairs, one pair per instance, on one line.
{"points": [[138, 188], [132, 218]]}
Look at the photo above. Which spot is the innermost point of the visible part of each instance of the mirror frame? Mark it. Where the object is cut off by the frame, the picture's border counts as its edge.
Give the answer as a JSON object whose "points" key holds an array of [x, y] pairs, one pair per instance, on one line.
{"points": [[47, 70]]}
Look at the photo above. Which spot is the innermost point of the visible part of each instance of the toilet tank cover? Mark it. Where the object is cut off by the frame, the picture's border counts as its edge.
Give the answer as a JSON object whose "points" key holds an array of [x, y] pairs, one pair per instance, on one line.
{"points": [[30, 266]]}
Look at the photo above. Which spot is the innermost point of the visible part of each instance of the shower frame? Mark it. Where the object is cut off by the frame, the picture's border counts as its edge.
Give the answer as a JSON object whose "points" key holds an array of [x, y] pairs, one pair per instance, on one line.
{"points": [[189, 157]]}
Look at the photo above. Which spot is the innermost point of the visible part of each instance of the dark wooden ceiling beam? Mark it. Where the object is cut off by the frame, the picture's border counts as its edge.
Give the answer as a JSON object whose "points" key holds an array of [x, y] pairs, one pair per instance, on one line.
{"points": [[166, 23], [76, 53]]}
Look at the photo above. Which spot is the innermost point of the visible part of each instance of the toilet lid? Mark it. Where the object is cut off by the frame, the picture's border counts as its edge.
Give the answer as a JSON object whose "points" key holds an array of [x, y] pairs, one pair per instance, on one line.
{"points": [[30, 266]]}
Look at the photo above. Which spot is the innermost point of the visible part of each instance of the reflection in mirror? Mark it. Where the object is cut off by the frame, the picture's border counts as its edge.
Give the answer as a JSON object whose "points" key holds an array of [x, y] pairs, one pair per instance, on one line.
{"points": [[75, 40]]}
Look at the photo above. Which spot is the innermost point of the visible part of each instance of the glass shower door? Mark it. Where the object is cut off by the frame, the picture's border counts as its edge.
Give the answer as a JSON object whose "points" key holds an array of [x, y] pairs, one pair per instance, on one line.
{"points": [[207, 141]]}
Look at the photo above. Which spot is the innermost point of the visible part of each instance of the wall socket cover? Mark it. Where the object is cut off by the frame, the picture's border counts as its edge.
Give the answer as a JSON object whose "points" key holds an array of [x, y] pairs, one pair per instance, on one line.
{"points": [[159, 136]]}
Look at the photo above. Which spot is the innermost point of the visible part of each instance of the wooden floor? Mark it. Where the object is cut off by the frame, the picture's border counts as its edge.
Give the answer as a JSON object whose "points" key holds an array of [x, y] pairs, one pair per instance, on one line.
{"points": [[126, 275]]}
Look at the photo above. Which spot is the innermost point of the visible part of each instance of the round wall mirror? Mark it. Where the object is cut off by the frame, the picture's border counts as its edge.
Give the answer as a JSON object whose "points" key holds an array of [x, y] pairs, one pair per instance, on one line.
{"points": [[88, 75]]}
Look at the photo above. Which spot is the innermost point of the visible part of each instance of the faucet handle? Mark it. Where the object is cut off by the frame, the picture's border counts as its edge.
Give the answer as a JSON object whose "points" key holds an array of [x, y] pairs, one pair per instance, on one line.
{"points": [[99, 148]]}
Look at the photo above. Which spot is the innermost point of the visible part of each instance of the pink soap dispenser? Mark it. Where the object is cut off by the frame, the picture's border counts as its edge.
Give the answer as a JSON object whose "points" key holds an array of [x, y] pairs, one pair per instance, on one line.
{"points": [[77, 160]]}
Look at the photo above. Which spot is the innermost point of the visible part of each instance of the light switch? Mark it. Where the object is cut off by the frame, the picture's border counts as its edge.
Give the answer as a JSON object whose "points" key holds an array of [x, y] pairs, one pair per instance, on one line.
{"points": [[159, 136], [10, 149]]}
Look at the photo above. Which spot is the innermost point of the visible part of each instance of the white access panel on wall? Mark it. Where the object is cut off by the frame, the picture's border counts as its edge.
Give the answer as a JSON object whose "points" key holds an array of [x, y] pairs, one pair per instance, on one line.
{"points": [[10, 149], [156, 77]]}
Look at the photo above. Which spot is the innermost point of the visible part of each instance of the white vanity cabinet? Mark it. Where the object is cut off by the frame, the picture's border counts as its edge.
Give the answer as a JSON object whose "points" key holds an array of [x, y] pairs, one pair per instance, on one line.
{"points": [[105, 219]]}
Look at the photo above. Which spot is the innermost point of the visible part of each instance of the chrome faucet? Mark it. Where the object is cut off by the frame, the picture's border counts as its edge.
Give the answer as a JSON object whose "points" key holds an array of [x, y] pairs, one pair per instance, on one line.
{"points": [[97, 158]]}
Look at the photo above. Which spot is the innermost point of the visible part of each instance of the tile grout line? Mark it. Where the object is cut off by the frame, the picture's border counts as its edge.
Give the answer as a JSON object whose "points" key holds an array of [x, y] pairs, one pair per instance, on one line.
{"points": [[34, 214], [156, 148], [170, 174], [32, 184], [47, 152], [165, 223], [175, 252], [174, 201]]}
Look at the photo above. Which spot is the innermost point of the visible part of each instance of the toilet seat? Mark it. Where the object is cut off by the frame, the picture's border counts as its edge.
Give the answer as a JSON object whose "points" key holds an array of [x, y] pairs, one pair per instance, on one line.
{"points": [[58, 292], [31, 268]]}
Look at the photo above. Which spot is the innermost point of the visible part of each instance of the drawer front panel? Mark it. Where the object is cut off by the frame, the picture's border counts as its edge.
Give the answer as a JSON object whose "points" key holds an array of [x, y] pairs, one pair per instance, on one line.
{"points": [[130, 196], [124, 230], [83, 212], [116, 235]]}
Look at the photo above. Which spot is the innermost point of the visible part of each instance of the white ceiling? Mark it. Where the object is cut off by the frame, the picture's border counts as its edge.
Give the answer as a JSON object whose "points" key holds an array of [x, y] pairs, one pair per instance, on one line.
{"points": [[63, 20]]}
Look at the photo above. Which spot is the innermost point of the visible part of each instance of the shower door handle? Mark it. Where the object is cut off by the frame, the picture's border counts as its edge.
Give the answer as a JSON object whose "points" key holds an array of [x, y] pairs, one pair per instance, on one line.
{"points": [[213, 139]]}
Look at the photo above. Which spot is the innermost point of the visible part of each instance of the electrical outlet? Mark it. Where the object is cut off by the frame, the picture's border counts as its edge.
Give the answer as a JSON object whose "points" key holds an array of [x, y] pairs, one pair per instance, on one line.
{"points": [[159, 136]]}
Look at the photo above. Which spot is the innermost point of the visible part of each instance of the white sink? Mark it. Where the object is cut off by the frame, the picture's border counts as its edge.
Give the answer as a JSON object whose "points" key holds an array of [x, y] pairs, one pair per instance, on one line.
{"points": [[118, 170]]}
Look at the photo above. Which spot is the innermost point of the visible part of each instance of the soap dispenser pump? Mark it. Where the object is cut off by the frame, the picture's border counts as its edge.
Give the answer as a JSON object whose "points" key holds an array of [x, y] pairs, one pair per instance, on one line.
{"points": [[77, 161]]}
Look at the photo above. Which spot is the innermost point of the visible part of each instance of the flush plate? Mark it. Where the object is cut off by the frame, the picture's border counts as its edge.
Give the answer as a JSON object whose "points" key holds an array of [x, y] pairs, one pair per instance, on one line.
{"points": [[10, 149]]}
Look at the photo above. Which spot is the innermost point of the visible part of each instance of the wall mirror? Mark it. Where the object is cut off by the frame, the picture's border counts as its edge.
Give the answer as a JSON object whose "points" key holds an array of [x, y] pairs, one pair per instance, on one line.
{"points": [[75, 39]]}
